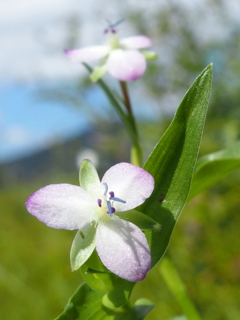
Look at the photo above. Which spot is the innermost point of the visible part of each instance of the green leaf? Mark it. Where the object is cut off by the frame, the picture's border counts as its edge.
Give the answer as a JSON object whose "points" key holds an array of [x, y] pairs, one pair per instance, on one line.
{"points": [[117, 290], [173, 161], [149, 55], [139, 219], [98, 72], [214, 167], [141, 309], [86, 304], [119, 295], [101, 280], [82, 246]]}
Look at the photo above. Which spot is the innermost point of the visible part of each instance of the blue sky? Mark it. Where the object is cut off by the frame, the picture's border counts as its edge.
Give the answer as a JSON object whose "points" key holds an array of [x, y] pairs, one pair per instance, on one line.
{"points": [[28, 125]]}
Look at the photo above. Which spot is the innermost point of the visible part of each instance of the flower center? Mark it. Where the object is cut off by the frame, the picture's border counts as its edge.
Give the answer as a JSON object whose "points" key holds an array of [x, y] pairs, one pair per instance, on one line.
{"points": [[108, 199], [114, 41], [112, 26]]}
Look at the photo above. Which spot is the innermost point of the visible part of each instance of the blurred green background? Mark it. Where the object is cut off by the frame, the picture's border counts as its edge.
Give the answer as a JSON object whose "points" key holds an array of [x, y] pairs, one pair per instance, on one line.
{"points": [[35, 276]]}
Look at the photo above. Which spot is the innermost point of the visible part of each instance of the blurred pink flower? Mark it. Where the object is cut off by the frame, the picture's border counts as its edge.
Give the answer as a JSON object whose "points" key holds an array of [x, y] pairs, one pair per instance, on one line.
{"points": [[121, 58]]}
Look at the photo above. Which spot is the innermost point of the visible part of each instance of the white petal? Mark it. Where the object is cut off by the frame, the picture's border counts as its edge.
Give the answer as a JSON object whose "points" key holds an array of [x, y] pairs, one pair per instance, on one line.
{"points": [[88, 54], [82, 246], [136, 42], [123, 249], [129, 183], [126, 65], [61, 206]]}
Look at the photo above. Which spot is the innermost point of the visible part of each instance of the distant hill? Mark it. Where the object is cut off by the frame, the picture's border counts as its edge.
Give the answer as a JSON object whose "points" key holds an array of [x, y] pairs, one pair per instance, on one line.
{"points": [[109, 141]]}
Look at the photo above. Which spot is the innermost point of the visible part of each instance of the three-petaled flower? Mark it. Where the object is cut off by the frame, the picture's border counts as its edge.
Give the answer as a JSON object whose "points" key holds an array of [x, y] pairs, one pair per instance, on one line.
{"points": [[121, 245], [120, 58]]}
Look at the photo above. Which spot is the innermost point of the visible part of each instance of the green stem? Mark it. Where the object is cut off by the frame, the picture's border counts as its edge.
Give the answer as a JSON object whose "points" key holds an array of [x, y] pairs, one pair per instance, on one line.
{"points": [[178, 289], [136, 152], [124, 89], [127, 118]]}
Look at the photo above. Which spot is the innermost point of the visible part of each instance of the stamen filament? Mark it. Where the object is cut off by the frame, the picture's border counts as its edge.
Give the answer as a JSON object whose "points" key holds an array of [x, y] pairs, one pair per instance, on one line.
{"points": [[109, 208], [117, 199], [106, 188]]}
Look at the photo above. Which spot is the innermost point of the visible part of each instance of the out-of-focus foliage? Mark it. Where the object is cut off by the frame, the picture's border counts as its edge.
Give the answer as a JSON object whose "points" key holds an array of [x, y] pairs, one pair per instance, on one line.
{"points": [[187, 38], [214, 167], [35, 276]]}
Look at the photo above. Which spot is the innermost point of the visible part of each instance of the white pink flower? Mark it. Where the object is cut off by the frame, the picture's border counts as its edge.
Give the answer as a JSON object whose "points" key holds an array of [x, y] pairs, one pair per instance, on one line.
{"points": [[121, 58], [121, 245]]}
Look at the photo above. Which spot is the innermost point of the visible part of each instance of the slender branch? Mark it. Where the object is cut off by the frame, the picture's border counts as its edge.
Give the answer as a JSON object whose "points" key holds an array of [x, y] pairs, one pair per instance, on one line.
{"points": [[136, 152], [126, 97], [127, 118]]}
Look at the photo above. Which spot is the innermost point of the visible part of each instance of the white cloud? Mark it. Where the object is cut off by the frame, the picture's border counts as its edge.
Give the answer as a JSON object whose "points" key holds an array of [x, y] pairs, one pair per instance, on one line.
{"points": [[16, 135]]}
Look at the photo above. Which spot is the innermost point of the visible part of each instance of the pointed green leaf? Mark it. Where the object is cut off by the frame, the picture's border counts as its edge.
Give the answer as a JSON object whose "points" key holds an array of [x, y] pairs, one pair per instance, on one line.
{"points": [[214, 167], [82, 246], [139, 219], [86, 304], [173, 161]]}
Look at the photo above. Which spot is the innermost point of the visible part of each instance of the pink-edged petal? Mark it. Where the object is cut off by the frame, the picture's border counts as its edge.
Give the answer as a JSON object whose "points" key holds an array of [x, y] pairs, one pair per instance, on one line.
{"points": [[123, 249], [136, 42], [126, 65], [61, 206], [88, 54], [129, 183]]}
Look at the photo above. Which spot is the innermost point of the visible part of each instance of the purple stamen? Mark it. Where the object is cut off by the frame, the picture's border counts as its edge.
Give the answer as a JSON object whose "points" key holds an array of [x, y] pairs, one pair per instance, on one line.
{"points": [[113, 210], [99, 201], [111, 193]]}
